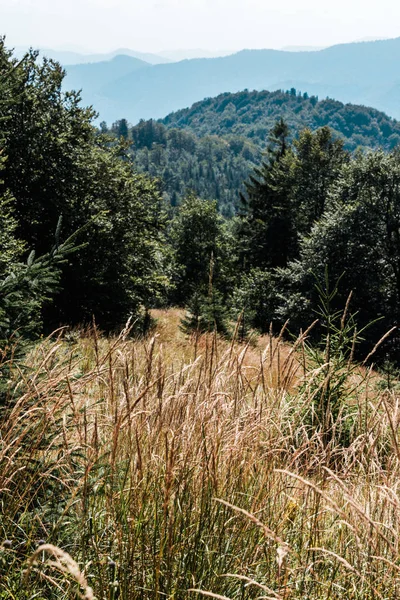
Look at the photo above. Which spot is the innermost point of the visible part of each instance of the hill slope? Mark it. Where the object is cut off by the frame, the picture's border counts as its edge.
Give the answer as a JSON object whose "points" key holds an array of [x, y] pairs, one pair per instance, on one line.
{"points": [[252, 114], [212, 147], [364, 73], [92, 77]]}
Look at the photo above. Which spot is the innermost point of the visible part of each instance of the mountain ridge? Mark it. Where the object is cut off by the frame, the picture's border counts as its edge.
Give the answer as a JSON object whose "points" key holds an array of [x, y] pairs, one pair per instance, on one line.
{"points": [[70, 57], [91, 77], [360, 73]]}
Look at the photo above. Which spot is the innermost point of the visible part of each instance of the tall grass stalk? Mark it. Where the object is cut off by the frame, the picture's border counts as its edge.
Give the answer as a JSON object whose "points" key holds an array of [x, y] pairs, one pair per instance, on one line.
{"points": [[165, 465]]}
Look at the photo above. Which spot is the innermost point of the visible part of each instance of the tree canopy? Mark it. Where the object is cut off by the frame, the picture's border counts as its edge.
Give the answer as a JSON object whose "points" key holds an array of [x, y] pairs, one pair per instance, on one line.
{"points": [[56, 165]]}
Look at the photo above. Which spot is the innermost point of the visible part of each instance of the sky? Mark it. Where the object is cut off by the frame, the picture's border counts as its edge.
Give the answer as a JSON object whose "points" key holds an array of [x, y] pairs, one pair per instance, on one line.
{"points": [[156, 25]]}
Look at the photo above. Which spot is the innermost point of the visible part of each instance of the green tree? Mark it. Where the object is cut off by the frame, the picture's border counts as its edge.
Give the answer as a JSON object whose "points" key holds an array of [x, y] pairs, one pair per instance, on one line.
{"points": [[46, 136], [267, 236], [317, 162], [123, 267], [25, 289], [198, 235], [254, 300], [11, 248], [59, 165], [120, 128], [206, 312], [357, 239]]}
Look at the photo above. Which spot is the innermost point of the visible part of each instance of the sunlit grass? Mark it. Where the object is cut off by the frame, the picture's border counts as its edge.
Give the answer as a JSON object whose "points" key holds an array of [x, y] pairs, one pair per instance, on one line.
{"points": [[167, 465]]}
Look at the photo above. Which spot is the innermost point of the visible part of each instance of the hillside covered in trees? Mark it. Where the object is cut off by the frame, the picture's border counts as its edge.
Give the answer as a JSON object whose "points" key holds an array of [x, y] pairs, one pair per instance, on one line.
{"points": [[212, 147], [85, 236]]}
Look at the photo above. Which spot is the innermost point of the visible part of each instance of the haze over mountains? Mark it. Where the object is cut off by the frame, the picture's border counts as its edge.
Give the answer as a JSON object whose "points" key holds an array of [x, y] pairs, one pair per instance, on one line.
{"points": [[70, 57], [78, 57], [363, 73]]}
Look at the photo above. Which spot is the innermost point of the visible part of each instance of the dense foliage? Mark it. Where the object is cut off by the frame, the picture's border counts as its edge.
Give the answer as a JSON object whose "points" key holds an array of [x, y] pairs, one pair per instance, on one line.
{"points": [[311, 212], [55, 165], [212, 147], [84, 235], [251, 114]]}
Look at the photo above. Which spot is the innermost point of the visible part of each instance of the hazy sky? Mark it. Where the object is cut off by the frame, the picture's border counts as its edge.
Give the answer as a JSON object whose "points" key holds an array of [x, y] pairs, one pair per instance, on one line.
{"points": [[154, 25]]}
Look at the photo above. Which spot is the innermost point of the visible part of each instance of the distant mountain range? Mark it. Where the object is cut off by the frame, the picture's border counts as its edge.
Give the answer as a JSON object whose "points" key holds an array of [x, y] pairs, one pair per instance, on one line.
{"points": [[363, 73], [302, 48], [177, 55], [68, 57], [77, 57], [92, 77]]}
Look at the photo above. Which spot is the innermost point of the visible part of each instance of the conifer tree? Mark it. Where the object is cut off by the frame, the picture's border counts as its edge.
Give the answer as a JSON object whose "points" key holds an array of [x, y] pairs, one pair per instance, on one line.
{"points": [[267, 235], [197, 235], [317, 162]]}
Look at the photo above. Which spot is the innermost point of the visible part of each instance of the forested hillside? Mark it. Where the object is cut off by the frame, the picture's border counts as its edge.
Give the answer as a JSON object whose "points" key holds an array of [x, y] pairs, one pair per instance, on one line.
{"points": [[252, 114], [85, 235], [212, 147]]}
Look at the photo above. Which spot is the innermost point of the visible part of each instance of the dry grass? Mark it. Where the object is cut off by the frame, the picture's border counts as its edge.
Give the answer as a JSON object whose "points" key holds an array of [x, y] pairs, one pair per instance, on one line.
{"points": [[168, 465]]}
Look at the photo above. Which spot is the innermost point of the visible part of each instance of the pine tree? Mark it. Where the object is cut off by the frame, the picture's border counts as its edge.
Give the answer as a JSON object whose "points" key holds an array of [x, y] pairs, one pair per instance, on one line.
{"points": [[27, 287], [317, 163], [196, 235], [268, 236]]}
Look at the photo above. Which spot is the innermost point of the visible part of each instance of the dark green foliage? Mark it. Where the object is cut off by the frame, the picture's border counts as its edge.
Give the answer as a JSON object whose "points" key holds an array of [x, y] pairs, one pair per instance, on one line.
{"points": [[24, 290], [286, 195], [317, 163], [206, 313], [120, 129], [11, 248], [212, 147], [358, 239], [200, 242], [310, 206], [254, 300], [46, 136], [251, 115], [122, 268], [57, 164], [268, 234], [210, 167], [204, 265]]}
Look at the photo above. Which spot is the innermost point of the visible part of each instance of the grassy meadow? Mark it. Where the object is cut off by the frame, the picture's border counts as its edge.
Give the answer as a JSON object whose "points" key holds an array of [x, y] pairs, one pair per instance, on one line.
{"points": [[174, 467]]}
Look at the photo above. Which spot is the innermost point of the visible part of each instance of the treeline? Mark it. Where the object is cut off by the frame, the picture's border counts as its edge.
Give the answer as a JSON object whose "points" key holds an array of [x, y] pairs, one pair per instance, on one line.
{"points": [[61, 179], [212, 147], [108, 246], [251, 114], [317, 224]]}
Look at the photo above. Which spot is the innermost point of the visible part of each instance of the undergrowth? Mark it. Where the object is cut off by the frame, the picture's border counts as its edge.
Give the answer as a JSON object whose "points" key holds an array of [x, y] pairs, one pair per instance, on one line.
{"points": [[146, 469]]}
